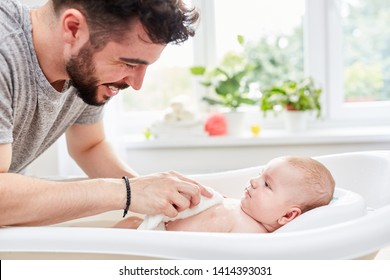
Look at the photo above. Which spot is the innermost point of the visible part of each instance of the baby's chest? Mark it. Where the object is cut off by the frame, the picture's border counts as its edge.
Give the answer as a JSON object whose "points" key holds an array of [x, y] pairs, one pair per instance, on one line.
{"points": [[222, 218]]}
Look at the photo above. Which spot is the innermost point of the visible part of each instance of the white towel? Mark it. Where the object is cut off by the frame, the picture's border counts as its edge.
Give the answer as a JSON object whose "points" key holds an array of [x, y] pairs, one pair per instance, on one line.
{"points": [[157, 222]]}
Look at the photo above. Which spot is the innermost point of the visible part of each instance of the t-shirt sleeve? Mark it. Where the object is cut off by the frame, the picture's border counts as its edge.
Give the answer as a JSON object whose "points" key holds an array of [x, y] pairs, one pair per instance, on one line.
{"points": [[91, 115], [6, 111]]}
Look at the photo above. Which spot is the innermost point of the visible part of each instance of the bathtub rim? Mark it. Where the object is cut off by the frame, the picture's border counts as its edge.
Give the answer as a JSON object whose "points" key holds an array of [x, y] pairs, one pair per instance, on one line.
{"points": [[339, 241]]}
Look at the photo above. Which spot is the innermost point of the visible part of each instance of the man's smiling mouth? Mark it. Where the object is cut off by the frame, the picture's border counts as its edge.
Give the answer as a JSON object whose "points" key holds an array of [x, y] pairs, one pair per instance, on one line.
{"points": [[114, 90]]}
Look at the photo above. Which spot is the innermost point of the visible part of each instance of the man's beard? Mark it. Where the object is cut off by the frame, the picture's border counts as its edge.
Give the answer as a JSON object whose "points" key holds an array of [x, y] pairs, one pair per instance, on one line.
{"points": [[81, 71]]}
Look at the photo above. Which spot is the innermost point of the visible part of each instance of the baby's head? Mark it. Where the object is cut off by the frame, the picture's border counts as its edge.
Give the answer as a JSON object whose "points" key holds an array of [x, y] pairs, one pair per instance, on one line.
{"points": [[315, 187], [287, 187]]}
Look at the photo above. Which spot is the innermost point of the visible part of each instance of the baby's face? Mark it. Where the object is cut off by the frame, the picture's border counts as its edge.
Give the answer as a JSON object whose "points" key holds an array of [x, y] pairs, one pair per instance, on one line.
{"points": [[269, 196]]}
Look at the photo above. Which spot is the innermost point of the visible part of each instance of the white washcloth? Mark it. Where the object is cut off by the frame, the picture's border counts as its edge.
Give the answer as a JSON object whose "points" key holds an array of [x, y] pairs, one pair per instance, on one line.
{"points": [[157, 222]]}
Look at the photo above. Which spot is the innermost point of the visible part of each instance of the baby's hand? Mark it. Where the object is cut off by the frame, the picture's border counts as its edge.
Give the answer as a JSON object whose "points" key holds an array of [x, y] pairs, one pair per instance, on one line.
{"points": [[130, 222]]}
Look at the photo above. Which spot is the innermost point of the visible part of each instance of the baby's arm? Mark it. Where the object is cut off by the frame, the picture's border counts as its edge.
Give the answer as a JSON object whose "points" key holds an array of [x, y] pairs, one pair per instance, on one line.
{"points": [[131, 222]]}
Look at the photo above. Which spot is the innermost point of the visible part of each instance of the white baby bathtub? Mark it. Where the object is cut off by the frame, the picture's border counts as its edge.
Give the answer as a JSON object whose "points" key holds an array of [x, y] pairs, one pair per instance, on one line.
{"points": [[356, 224]]}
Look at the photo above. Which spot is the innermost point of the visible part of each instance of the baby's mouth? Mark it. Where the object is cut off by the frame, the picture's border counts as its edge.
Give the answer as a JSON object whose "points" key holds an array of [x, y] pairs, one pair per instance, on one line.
{"points": [[247, 191]]}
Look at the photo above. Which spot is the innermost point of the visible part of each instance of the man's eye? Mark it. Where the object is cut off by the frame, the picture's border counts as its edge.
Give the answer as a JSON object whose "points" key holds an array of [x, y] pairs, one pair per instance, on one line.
{"points": [[130, 66]]}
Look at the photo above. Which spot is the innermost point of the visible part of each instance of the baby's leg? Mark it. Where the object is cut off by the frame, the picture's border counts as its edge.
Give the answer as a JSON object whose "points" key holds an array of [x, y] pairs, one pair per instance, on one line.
{"points": [[131, 222]]}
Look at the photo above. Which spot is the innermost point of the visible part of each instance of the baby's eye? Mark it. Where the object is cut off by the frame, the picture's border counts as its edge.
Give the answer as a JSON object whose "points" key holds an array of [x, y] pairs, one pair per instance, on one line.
{"points": [[266, 185]]}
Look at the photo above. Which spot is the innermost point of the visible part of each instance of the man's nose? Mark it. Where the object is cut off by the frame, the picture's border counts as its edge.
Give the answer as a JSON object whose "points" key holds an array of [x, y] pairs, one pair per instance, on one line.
{"points": [[136, 79]]}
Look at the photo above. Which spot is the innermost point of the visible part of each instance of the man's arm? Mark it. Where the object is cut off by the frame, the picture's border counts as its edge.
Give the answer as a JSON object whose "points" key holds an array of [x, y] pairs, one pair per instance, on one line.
{"points": [[30, 201], [88, 147], [6, 156]]}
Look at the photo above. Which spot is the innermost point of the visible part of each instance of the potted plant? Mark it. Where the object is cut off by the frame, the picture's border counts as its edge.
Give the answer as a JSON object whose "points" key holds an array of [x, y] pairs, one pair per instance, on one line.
{"points": [[296, 99], [229, 82], [230, 88]]}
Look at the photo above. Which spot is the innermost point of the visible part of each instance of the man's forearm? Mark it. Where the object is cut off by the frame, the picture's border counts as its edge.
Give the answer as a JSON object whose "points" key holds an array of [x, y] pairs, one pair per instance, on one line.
{"points": [[30, 201]]}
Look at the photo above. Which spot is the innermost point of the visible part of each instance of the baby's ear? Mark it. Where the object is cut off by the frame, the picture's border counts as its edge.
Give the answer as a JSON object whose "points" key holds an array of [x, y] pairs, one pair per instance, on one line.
{"points": [[289, 216]]}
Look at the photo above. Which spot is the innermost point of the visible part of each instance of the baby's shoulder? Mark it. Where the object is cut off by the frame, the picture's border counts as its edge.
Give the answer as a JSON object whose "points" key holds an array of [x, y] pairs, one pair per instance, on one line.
{"points": [[248, 226]]}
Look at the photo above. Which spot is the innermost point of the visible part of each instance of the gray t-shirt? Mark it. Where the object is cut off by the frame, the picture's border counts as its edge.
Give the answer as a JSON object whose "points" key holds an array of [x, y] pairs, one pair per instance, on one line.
{"points": [[33, 115]]}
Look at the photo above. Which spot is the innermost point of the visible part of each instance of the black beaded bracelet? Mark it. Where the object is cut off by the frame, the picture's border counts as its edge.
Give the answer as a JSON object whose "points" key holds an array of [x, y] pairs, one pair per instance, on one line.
{"points": [[128, 198]]}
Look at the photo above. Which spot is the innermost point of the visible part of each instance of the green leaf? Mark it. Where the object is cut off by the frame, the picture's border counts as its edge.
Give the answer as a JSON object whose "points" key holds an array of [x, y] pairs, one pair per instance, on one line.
{"points": [[212, 101], [230, 86], [247, 101]]}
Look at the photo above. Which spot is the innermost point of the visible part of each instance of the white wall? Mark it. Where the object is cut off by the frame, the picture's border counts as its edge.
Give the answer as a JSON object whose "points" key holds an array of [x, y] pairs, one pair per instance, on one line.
{"points": [[208, 155], [214, 159], [204, 155], [197, 160], [47, 165]]}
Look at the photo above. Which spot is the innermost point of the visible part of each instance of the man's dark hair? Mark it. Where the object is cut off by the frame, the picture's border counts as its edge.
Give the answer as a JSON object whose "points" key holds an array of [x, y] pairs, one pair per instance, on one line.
{"points": [[165, 21]]}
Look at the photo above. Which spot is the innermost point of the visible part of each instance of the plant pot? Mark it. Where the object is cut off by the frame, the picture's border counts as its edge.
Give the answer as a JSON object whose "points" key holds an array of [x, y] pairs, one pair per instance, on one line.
{"points": [[296, 121], [235, 123]]}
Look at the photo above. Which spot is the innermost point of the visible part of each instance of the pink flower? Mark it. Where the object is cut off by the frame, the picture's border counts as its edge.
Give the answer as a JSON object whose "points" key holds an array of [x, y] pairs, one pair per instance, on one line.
{"points": [[215, 125]]}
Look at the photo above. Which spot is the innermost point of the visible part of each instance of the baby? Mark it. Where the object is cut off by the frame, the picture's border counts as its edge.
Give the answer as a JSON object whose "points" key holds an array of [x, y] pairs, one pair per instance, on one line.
{"points": [[286, 188]]}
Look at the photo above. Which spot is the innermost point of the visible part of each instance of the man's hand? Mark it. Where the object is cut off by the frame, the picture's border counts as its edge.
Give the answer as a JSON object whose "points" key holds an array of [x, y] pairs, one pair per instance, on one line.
{"points": [[165, 193]]}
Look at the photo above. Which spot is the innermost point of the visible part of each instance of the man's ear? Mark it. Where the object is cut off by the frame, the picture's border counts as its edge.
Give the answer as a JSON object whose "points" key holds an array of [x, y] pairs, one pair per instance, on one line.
{"points": [[289, 216], [74, 28]]}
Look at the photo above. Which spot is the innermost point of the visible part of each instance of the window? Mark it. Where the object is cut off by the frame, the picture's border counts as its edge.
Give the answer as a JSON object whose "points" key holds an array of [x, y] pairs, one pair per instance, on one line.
{"points": [[273, 36], [359, 60], [366, 50], [330, 40]]}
